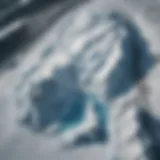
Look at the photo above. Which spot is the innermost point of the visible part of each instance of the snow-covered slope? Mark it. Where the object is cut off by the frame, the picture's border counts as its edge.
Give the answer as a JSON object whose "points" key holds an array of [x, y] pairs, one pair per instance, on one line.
{"points": [[90, 50]]}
